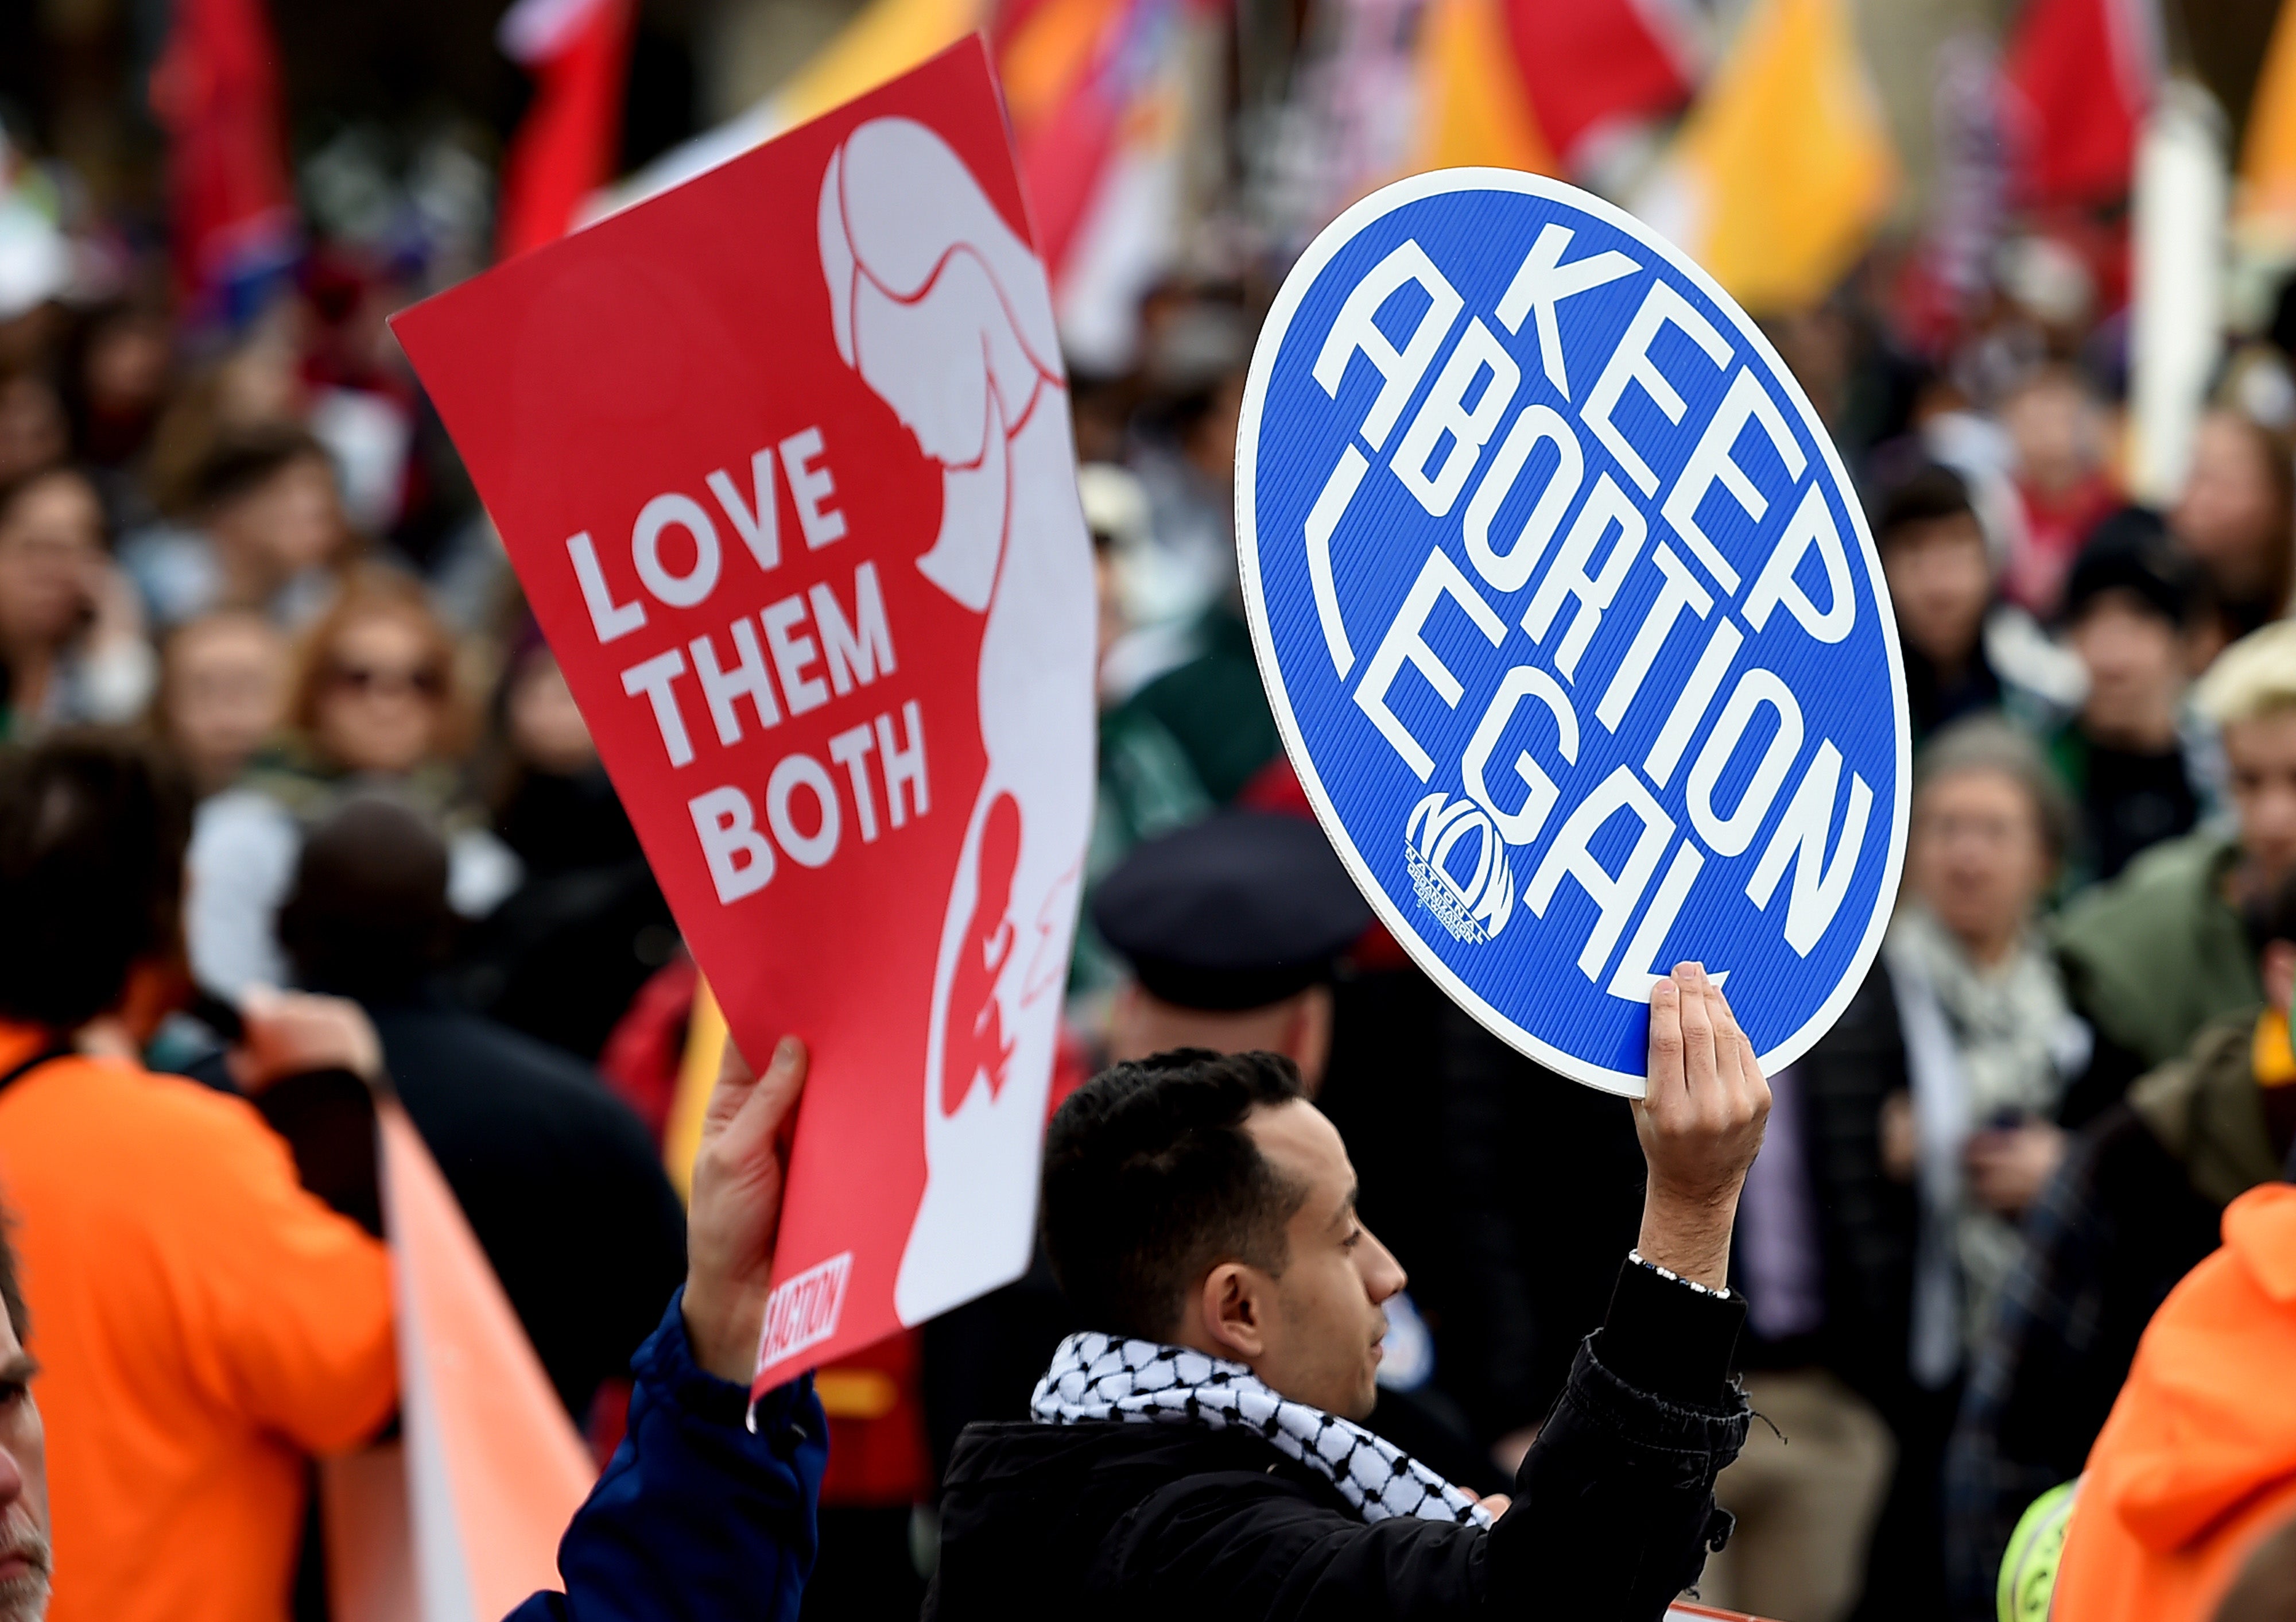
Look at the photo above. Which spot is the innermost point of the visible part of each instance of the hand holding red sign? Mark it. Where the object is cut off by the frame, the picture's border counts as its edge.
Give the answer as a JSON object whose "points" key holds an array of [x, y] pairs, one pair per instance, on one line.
{"points": [[782, 460], [737, 1208]]}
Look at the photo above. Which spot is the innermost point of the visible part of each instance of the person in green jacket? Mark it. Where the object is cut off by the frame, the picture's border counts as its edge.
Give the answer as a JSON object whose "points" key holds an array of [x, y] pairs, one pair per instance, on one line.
{"points": [[2158, 953]]}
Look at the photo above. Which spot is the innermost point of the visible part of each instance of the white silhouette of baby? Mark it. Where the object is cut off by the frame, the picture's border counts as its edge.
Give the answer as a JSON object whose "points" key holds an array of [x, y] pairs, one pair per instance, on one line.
{"points": [[944, 313]]}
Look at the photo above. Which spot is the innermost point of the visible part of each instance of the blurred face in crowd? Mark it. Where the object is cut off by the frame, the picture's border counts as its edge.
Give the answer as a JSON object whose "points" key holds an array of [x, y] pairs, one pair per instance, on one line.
{"points": [[31, 426], [2232, 516], [2056, 430], [2261, 761], [546, 730], [1978, 859], [292, 522], [51, 557], [383, 693], [25, 1560], [225, 690], [1941, 581], [123, 377], [126, 371], [261, 379], [1313, 1330], [2135, 664]]}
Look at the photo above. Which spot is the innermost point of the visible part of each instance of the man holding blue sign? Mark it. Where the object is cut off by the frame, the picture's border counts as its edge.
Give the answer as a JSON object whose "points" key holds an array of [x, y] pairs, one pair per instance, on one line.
{"points": [[1571, 621], [1202, 1447]]}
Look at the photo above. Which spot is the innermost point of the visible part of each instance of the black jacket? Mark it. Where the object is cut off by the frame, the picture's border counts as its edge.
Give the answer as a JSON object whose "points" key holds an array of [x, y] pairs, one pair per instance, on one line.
{"points": [[1613, 1509], [1532, 1256], [1866, 1220], [558, 1178]]}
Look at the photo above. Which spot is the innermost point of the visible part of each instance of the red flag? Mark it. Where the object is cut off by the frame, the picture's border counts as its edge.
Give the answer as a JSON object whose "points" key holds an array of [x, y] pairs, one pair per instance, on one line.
{"points": [[1592, 64], [578, 51], [215, 91], [2079, 75]]}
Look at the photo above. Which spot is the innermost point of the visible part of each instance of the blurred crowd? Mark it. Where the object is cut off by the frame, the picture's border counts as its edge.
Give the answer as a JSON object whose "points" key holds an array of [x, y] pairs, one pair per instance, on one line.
{"points": [[248, 545]]}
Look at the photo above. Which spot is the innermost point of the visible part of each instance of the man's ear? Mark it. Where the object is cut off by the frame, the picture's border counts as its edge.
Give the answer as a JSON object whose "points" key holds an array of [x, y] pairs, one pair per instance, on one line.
{"points": [[2277, 971], [1235, 1317]]}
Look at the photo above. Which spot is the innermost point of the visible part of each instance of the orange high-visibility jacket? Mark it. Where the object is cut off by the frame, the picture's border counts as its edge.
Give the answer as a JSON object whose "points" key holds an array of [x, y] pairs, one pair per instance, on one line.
{"points": [[2198, 1459], [201, 1323]]}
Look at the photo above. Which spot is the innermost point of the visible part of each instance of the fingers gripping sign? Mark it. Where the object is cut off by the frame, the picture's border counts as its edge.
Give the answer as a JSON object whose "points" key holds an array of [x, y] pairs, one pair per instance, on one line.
{"points": [[739, 1175], [1700, 1120]]}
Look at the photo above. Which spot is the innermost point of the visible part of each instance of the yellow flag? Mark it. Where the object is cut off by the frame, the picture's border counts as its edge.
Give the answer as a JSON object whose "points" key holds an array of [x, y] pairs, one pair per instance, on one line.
{"points": [[1783, 167], [2266, 211], [697, 1077], [1472, 107], [886, 40]]}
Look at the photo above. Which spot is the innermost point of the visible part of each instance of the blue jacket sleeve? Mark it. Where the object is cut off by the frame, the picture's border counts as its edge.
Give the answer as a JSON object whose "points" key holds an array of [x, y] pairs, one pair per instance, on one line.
{"points": [[697, 1516]]}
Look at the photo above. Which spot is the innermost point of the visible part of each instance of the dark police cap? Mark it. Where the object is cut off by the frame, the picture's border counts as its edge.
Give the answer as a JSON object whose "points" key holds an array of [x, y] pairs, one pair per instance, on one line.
{"points": [[1235, 913]]}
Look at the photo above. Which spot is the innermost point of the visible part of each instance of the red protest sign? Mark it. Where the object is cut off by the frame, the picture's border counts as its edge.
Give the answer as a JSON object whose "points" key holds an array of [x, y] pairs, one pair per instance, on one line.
{"points": [[782, 458]]}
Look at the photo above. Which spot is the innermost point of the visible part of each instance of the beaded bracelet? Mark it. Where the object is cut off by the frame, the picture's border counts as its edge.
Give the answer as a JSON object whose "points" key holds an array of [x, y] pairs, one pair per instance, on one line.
{"points": [[1640, 1260]]}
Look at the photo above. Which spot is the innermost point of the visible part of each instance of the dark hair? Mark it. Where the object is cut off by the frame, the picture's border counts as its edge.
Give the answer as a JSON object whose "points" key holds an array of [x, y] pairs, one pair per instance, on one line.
{"points": [[367, 915], [1151, 1181], [2130, 551], [1926, 495], [246, 460], [92, 827]]}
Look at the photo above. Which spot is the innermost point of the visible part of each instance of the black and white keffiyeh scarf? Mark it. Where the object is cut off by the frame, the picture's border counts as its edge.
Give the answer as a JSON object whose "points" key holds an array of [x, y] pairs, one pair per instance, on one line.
{"points": [[1096, 1377]]}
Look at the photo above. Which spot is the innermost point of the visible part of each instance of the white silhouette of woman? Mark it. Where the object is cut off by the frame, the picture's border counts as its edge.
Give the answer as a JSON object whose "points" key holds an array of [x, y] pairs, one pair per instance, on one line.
{"points": [[945, 314]]}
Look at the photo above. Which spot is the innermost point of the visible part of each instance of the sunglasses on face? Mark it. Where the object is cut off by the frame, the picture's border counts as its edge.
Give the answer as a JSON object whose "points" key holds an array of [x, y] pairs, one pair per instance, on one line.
{"points": [[424, 681]]}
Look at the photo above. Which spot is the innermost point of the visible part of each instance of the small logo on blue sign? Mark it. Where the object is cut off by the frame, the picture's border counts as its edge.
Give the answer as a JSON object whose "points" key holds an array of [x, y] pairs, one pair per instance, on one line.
{"points": [[1571, 620]]}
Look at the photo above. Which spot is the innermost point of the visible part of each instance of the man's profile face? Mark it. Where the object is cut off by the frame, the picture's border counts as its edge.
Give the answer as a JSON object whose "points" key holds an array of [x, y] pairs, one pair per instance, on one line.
{"points": [[1324, 1329], [24, 1556], [2260, 754]]}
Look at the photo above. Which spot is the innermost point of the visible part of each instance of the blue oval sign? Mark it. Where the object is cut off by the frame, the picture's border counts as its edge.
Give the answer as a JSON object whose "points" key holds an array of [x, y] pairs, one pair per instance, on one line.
{"points": [[1571, 620]]}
